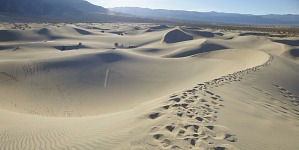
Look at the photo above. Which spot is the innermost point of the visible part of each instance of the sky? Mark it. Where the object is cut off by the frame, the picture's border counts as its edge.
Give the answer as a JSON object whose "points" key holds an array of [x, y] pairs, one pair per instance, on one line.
{"points": [[257, 7]]}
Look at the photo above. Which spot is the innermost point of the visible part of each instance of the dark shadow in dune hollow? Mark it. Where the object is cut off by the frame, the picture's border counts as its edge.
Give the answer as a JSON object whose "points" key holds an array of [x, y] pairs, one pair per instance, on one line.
{"points": [[204, 34], [6, 35], [152, 50], [70, 47], [219, 34], [110, 57], [294, 52], [83, 32], [288, 42], [202, 49], [254, 33], [5, 47], [157, 28], [89, 61]]}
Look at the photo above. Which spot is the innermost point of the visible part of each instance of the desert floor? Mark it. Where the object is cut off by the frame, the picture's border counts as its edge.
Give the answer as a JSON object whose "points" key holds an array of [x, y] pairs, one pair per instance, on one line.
{"points": [[69, 86]]}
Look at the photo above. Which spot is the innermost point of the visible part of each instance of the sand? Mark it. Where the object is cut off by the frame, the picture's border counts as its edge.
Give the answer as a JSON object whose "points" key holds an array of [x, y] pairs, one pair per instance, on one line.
{"points": [[66, 86]]}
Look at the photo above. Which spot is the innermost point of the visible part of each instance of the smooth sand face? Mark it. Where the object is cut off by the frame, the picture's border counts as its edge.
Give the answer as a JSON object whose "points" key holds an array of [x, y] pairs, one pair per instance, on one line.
{"points": [[66, 86]]}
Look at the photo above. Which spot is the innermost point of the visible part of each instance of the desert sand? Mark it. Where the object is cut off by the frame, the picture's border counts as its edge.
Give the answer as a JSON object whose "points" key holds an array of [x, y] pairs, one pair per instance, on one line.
{"points": [[67, 86]]}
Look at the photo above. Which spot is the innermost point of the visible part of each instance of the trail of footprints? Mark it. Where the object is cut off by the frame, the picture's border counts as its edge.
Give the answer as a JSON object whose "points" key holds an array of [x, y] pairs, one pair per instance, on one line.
{"points": [[287, 109], [191, 122], [287, 94], [283, 102], [4, 77], [191, 117], [28, 69]]}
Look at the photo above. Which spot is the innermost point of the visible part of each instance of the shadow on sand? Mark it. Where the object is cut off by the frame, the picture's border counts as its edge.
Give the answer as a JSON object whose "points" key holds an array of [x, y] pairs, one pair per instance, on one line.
{"points": [[70, 47], [288, 42]]}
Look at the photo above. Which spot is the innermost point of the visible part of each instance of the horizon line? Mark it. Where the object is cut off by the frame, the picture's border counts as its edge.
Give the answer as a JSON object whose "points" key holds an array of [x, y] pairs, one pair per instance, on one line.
{"points": [[198, 11]]}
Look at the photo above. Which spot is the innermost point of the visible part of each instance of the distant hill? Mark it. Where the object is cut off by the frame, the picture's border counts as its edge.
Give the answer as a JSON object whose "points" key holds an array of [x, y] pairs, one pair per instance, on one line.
{"points": [[60, 11], [48, 7], [211, 17]]}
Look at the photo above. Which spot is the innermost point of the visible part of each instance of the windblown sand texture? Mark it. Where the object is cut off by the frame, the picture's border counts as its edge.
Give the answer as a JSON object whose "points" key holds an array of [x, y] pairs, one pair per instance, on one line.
{"points": [[66, 86]]}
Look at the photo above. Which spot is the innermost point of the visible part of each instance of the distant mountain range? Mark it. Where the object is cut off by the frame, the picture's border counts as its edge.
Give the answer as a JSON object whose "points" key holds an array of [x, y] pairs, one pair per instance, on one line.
{"points": [[60, 11], [210, 17], [83, 11], [48, 7]]}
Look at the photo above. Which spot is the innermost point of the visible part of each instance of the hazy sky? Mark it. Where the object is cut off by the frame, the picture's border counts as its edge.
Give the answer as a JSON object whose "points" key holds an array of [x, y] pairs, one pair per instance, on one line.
{"points": [[233, 6]]}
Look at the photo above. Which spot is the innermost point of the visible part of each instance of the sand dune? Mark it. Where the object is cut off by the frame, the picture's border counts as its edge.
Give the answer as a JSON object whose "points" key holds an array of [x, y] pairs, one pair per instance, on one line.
{"points": [[200, 33], [206, 46], [51, 33], [68, 87], [157, 28], [177, 35]]}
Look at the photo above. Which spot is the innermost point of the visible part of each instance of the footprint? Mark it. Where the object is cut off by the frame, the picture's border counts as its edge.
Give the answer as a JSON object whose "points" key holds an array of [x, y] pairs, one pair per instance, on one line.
{"points": [[189, 101], [166, 143], [166, 107], [170, 128], [154, 115], [199, 119], [225, 147], [221, 132], [158, 136], [175, 99], [175, 147]]}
